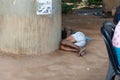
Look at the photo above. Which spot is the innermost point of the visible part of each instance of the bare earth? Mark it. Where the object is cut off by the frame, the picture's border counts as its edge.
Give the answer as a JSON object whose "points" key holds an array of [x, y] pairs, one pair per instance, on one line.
{"points": [[62, 65]]}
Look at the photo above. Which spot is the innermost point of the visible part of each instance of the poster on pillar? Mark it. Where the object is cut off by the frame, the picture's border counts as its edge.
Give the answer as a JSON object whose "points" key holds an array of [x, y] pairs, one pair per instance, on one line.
{"points": [[44, 7]]}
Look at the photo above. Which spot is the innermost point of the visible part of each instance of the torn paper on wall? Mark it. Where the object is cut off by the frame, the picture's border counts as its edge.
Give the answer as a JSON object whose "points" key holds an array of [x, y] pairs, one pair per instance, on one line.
{"points": [[44, 7]]}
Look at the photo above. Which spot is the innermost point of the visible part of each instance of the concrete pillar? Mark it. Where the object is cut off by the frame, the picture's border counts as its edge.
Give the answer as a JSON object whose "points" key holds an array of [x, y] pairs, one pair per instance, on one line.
{"points": [[24, 32]]}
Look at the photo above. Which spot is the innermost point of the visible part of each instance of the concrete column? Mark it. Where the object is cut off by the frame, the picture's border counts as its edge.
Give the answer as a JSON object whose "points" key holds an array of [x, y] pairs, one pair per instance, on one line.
{"points": [[24, 32]]}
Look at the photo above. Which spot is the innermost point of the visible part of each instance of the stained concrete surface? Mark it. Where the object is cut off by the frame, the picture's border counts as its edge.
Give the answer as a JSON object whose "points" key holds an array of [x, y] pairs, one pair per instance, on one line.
{"points": [[62, 65]]}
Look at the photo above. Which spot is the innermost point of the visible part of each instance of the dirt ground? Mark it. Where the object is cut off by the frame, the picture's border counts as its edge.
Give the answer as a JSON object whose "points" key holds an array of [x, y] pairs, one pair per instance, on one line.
{"points": [[62, 65]]}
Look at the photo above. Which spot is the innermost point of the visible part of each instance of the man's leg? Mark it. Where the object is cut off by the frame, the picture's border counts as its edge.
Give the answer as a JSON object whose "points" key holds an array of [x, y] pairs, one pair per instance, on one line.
{"points": [[67, 48], [69, 43], [81, 51]]}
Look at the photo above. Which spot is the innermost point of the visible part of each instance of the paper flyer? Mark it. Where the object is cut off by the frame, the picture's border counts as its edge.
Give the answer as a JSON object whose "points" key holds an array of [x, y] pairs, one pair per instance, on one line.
{"points": [[44, 7]]}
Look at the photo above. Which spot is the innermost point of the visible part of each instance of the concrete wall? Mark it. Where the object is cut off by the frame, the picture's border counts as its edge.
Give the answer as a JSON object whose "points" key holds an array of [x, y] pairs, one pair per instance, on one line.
{"points": [[110, 4], [24, 32]]}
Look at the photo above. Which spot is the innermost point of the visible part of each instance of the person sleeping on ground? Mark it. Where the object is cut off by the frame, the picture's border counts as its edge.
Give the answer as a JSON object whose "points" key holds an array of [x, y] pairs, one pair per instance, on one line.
{"points": [[75, 43]]}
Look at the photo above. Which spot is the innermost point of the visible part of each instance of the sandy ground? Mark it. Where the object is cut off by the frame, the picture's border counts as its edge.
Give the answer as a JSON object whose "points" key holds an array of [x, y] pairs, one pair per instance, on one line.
{"points": [[62, 65]]}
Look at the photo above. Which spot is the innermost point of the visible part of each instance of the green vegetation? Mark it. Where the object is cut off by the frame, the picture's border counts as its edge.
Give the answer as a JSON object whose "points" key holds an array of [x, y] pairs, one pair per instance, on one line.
{"points": [[66, 8], [95, 2]]}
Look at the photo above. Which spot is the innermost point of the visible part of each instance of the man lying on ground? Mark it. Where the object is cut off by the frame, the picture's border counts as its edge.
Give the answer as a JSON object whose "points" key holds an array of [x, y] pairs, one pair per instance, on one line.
{"points": [[75, 43]]}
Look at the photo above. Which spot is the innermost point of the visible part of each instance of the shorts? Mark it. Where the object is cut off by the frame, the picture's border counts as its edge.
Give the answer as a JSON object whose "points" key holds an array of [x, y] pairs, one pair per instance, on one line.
{"points": [[80, 39]]}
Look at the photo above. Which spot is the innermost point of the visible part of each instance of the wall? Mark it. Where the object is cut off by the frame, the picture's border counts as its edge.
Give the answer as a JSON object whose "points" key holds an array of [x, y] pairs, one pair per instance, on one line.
{"points": [[110, 4]]}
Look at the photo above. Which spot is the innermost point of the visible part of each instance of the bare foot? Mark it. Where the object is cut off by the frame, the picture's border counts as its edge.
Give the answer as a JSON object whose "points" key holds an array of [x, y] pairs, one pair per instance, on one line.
{"points": [[82, 51]]}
